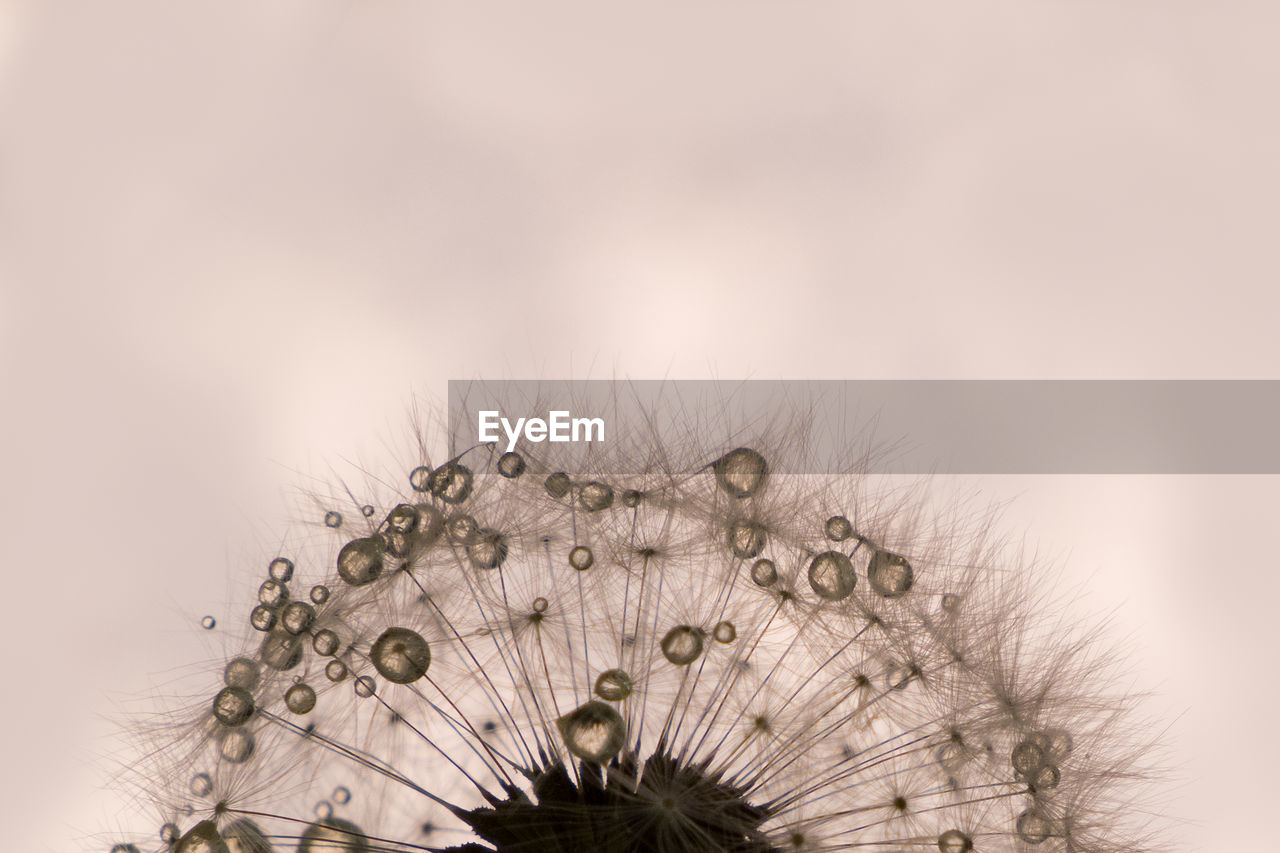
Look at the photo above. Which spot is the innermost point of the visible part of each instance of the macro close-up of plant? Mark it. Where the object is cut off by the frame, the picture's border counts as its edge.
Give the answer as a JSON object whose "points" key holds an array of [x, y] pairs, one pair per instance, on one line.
{"points": [[667, 648]]}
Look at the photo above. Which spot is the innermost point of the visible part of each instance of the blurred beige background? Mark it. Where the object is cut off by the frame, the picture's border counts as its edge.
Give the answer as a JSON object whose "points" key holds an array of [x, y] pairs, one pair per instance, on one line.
{"points": [[236, 237]]}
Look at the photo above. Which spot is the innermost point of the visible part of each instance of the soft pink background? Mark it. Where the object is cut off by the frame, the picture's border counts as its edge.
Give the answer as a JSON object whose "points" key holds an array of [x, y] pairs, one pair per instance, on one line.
{"points": [[236, 237]]}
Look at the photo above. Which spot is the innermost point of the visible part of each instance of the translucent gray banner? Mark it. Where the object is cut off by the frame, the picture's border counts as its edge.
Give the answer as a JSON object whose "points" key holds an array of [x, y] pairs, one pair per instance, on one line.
{"points": [[899, 427]]}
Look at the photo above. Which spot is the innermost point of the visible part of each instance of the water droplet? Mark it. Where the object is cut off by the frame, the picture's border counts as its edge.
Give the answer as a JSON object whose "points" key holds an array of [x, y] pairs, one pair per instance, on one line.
{"points": [[333, 835], [262, 618], [333, 519], [323, 810], [741, 472], [831, 576], [764, 573], [954, 841], [1058, 744], [1032, 827], [451, 483], [420, 478], [201, 785], [300, 699], [125, 848], [838, 528], [236, 745], [202, 838], [682, 645], [280, 650], [747, 538], [581, 558], [341, 795], [280, 569], [169, 833], [325, 642], [335, 670], [367, 511], [272, 593], [462, 528], [241, 672], [1027, 757], [889, 574], [614, 685], [489, 549], [360, 561], [951, 603], [596, 496], [233, 706], [631, 498], [400, 655], [557, 485], [724, 632], [297, 617], [319, 594], [539, 605], [594, 732], [244, 836], [511, 465], [365, 687], [208, 623]]}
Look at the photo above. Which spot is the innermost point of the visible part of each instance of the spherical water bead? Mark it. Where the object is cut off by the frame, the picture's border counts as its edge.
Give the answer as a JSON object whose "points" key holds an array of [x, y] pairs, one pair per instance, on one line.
{"points": [[724, 632], [367, 511], [325, 642], [236, 745], [593, 732], [244, 836], [341, 795], [595, 497], [323, 809], [300, 699], [831, 576], [233, 706], [898, 675], [333, 519], [557, 484], [682, 645], [764, 573], [1027, 757], [954, 841], [262, 618], [297, 617], [489, 550], [1058, 744], [125, 848], [511, 465], [333, 835], [335, 670], [1033, 827], [747, 538], [208, 623], [890, 574], [539, 605], [319, 594], [202, 838], [1046, 778], [365, 687], [241, 672], [581, 558], [838, 528], [280, 569], [741, 472], [614, 685], [631, 498], [272, 593], [462, 529], [169, 833], [201, 785], [951, 603], [360, 561], [451, 483], [280, 650], [401, 655]]}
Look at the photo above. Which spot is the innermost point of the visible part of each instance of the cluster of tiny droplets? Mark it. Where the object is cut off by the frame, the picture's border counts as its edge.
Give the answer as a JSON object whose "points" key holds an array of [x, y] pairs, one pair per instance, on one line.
{"points": [[850, 680]]}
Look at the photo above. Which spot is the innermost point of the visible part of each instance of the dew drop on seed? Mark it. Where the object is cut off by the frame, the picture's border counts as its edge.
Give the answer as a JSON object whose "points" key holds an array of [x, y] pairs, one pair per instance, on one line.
{"points": [[831, 576], [420, 478], [323, 810], [838, 528], [951, 603], [262, 618], [462, 529], [281, 650], [341, 795], [402, 519], [280, 569], [272, 593], [325, 642], [360, 561], [890, 574], [236, 745], [489, 549], [241, 672], [898, 676], [539, 605], [1032, 827], [365, 686], [333, 519], [125, 848], [333, 835], [595, 496], [724, 632], [1027, 757], [631, 498], [764, 573], [557, 484], [300, 699], [1058, 744], [741, 472], [451, 483], [169, 833], [201, 785], [233, 706], [244, 836], [581, 558], [400, 655], [682, 645], [954, 841], [367, 511], [1046, 778], [319, 594], [202, 838], [335, 670], [747, 538], [614, 685], [593, 732], [297, 617], [511, 465], [208, 623]]}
